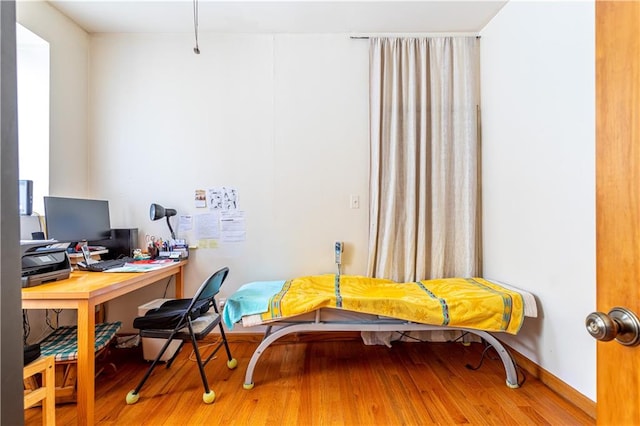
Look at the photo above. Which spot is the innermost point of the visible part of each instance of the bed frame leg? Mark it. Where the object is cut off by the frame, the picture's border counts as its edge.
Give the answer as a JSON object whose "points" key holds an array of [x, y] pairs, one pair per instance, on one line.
{"points": [[268, 339], [505, 357], [271, 336]]}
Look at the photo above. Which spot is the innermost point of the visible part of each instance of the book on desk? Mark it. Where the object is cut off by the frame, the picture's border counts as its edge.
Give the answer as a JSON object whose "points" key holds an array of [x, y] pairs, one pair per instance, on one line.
{"points": [[143, 265]]}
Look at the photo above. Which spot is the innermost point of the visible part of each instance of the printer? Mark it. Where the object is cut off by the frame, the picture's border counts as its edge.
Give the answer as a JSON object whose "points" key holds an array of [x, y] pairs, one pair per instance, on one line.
{"points": [[42, 264]]}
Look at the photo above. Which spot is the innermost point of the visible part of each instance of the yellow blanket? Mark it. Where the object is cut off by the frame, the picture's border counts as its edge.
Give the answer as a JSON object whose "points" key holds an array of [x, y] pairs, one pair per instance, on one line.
{"points": [[458, 302]]}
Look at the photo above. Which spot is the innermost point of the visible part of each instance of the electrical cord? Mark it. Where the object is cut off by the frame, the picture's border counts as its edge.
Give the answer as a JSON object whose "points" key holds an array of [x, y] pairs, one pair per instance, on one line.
{"points": [[200, 347], [484, 352], [26, 328], [519, 371], [48, 320], [166, 287]]}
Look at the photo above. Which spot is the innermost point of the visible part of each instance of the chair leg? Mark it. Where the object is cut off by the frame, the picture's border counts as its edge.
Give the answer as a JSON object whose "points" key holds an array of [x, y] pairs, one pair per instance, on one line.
{"points": [[175, 355], [224, 338], [224, 341], [153, 365], [205, 383]]}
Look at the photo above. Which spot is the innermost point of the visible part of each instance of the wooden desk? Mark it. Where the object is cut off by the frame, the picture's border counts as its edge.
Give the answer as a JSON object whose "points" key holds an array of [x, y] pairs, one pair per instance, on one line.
{"points": [[83, 291]]}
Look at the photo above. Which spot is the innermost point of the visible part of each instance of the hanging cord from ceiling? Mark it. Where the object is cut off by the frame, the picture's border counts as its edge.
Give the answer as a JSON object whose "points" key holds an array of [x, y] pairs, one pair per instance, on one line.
{"points": [[196, 49]]}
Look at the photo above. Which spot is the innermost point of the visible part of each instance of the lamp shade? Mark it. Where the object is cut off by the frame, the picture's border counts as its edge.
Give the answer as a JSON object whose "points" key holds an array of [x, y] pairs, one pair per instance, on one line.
{"points": [[158, 212]]}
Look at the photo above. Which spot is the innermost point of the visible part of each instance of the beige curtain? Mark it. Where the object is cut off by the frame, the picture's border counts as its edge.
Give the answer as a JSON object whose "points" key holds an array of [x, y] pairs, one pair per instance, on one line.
{"points": [[424, 183]]}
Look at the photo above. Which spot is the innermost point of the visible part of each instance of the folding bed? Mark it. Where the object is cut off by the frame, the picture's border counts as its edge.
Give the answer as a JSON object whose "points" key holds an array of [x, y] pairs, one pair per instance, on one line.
{"points": [[355, 303]]}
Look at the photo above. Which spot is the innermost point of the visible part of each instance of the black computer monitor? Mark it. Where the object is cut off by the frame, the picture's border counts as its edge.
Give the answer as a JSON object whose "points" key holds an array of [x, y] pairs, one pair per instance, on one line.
{"points": [[74, 220]]}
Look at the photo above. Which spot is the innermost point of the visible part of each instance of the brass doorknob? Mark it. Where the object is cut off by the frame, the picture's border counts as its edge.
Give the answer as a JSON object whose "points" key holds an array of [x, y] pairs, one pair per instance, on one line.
{"points": [[620, 324]]}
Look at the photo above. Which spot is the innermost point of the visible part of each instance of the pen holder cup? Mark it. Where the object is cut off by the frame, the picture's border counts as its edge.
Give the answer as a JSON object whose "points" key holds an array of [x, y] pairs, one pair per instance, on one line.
{"points": [[153, 251]]}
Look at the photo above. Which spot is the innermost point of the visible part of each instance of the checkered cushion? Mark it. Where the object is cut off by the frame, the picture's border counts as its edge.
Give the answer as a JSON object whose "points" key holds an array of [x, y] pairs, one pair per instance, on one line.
{"points": [[63, 342]]}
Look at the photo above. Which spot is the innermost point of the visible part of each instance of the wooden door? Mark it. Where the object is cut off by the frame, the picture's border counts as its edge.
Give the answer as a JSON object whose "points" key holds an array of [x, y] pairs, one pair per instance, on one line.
{"points": [[618, 201]]}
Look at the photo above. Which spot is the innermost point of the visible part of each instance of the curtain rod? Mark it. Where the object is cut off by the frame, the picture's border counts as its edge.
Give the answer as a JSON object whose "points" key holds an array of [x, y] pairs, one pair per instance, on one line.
{"points": [[356, 37]]}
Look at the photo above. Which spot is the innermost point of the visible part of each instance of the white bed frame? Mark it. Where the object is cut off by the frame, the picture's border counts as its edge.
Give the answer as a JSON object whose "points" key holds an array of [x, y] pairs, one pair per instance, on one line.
{"points": [[368, 323]]}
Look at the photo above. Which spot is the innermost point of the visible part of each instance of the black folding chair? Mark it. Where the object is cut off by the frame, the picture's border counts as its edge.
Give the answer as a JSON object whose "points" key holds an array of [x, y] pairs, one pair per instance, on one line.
{"points": [[186, 320]]}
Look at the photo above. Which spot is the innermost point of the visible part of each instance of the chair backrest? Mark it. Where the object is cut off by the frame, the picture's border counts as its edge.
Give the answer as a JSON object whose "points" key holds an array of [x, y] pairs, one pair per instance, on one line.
{"points": [[173, 315], [209, 288]]}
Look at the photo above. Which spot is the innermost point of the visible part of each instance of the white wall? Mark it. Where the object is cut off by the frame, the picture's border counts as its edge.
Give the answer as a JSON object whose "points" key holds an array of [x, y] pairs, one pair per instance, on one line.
{"points": [[69, 50], [283, 119], [538, 119]]}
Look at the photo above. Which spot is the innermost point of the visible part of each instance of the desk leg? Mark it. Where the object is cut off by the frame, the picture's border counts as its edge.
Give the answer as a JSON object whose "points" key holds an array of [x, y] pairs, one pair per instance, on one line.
{"points": [[180, 282], [86, 363]]}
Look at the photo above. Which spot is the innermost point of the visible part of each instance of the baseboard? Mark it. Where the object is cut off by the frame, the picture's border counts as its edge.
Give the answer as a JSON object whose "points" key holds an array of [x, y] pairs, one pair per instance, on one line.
{"points": [[552, 382], [555, 384]]}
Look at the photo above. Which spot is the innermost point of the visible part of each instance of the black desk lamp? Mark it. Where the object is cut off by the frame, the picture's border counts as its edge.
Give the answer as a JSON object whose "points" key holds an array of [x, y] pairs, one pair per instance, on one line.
{"points": [[158, 212]]}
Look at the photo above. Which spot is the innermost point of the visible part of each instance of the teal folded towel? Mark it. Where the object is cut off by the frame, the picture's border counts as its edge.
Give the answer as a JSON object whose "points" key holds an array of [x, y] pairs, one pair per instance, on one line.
{"points": [[251, 298]]}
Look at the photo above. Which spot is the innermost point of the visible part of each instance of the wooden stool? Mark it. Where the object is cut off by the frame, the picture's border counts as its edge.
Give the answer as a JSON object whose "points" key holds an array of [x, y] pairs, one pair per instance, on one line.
{"points": [[47, 392]]}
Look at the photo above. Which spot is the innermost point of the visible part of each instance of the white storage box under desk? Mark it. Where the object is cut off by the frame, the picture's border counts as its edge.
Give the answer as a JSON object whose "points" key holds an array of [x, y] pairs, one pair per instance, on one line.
{"points": [[152, 346]]}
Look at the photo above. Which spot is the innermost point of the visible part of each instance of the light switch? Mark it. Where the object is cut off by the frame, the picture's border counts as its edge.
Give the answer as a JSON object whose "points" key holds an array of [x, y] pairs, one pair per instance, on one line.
{"points": [[355, 202]]}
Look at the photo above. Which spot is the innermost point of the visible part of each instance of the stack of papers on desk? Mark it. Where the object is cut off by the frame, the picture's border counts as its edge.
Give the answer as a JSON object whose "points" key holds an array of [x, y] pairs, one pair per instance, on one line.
{"points": [[143, 266]]}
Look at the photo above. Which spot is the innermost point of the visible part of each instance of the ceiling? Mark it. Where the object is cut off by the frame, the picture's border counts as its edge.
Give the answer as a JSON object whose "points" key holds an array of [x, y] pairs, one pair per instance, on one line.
{"points": [[303, 16]]}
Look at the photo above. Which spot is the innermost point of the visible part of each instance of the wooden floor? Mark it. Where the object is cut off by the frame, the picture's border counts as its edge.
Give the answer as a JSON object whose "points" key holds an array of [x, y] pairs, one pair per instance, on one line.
{"points": [[320, 382]]}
